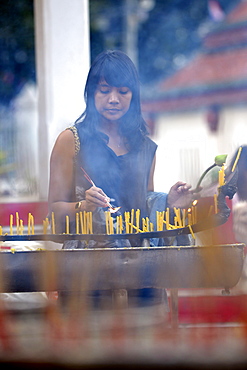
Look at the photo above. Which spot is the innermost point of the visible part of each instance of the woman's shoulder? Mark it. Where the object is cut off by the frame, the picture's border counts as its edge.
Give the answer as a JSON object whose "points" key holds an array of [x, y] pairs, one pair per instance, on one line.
{"points": [[73, 133], [150, 143], [65, 137], [65, 143]]}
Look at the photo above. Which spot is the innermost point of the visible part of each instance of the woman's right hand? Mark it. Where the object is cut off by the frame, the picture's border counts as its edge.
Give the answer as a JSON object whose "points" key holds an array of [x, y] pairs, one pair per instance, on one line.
{"points": [[95, 197]]}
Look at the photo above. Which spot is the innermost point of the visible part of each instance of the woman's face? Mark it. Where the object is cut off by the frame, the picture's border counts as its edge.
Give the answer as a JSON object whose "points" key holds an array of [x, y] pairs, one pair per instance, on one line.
{"points": [[112, 102]]}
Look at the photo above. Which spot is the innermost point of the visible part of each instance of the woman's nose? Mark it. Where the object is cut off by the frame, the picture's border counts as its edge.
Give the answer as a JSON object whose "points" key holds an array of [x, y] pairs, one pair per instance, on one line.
{"points": [[113, 97]]}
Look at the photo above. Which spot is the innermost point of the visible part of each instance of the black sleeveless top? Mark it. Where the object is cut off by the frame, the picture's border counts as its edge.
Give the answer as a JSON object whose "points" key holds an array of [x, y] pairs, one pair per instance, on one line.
{"points": [[123, 178]]}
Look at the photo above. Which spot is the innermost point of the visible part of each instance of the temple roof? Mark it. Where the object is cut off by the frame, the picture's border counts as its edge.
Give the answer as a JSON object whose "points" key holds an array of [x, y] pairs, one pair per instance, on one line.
{"points": [[216, 76]]}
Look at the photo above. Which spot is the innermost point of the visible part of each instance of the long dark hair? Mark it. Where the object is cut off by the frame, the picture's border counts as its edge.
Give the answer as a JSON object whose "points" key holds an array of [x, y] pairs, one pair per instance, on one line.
{"points": [[240, 157], [117, 69]]}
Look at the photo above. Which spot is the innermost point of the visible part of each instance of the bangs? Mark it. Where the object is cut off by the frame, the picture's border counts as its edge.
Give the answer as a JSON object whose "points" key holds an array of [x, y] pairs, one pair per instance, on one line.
{"points": [[116, 74]]}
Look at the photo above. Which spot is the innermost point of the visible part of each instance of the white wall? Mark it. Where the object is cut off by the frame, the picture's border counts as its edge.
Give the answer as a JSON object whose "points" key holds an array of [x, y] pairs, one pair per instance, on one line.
{"points": [[187, 147]]}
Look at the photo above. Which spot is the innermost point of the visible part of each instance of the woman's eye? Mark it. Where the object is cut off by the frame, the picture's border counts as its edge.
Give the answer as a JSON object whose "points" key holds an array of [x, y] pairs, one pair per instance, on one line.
{"points": [[123, 92], [104, 91]]}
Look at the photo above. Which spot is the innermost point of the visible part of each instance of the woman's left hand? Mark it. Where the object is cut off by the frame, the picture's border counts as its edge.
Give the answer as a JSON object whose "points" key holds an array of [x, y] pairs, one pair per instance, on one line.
{"points": [[180, 195]]}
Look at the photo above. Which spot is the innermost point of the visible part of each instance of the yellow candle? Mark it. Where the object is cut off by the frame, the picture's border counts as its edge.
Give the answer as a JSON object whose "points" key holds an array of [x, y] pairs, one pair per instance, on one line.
{"points": [[222, 176], [11, 225], [67, 224], [77, 230], [81, 222], [132, 220], [21, 227], [143, 224], [194, 211], [167, 219], [17, 223], [1, 230], [107, 222], [191, 231], [178, 216], [184, 217], [120, 224], [53, 228], [90, 222], [237, 158], [85, 222], [28, 224], [157, 220], [127, 218], [44, 227], [162, 215], [32, 220], [147, 224], [138, 212], [189, 219], [176, 222], [111, 226], [215, 204]]}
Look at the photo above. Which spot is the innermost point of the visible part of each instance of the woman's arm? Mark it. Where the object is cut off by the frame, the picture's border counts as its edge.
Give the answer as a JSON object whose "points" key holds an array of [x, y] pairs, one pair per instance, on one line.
{"points": [[61, 197]]}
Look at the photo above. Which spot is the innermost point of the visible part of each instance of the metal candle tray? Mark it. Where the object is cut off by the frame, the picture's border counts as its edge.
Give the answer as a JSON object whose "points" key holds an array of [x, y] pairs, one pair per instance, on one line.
{"points": [[218, 266]]}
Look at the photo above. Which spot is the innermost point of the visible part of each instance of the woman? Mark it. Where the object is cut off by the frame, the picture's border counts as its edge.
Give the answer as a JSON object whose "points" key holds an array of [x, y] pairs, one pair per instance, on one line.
{"points": [[110, 142]]}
